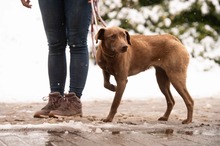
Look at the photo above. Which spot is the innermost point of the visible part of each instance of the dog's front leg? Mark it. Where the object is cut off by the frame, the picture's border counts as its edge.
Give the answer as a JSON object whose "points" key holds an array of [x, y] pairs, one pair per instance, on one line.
{"points": [[107, 83], [121, 84]]}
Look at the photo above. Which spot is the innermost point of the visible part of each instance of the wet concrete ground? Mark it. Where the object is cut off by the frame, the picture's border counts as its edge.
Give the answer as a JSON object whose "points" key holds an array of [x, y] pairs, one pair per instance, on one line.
{"points": [[135, 124], [151, 135]]}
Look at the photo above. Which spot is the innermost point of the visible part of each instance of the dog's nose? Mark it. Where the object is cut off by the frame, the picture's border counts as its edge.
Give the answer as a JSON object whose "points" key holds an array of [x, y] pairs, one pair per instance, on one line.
{"points": [[124, 48]]}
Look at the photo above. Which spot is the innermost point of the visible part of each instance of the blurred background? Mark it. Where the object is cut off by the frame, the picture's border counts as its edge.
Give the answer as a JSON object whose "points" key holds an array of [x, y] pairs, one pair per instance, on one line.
{"points": [[23, 47], [195, 22]]}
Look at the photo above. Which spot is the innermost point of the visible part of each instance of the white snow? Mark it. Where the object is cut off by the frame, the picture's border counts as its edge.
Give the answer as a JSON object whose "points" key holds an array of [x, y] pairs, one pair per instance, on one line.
{"points": [[23, 65]]}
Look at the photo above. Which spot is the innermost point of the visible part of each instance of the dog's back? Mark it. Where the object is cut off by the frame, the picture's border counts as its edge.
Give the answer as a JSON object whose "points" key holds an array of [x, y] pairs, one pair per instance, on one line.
{"points": [[165, 51]]}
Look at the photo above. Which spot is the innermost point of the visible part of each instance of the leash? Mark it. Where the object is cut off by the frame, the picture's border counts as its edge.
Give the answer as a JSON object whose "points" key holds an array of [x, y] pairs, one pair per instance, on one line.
{"points": [[95, 15]]}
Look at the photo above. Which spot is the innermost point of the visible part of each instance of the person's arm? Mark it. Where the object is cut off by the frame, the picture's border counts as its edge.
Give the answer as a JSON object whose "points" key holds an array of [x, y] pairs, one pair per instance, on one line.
{"points": [[26, 3]]}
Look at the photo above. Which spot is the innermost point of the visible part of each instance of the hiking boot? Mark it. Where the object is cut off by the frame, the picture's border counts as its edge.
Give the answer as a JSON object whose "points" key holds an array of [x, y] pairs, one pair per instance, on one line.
{"points": [[55, 99], [70, 106]]}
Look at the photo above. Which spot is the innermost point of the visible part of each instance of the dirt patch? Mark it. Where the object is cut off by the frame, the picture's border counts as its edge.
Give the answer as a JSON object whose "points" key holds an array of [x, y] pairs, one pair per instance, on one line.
{"points": [[132, 113]]}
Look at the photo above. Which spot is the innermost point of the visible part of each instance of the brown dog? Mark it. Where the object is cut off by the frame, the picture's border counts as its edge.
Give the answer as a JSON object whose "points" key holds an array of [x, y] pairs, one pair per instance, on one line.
{"points": [[122, 55]]}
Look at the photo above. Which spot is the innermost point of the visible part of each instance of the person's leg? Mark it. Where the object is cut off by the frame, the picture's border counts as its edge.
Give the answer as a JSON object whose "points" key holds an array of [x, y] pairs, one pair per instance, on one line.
{"points": [[54, 23], [78, 17]]}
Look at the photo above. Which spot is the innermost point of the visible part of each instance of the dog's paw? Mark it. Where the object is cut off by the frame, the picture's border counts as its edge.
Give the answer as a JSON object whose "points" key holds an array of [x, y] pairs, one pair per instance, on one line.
{"points": [[112, 88], [163, 119], [106, 120], [186, 121]]}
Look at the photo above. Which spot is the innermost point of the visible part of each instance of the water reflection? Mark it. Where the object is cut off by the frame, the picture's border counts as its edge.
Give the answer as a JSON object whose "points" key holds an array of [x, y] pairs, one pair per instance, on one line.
{"points": [[116, 136], [108, 136], [163, 133], [170, 132], [60, 138]]}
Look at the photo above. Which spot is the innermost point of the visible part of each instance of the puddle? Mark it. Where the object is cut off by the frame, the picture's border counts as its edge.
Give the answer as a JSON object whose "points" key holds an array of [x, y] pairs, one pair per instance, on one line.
{"points": [[51, 132], [171, 132], [162, 133], [201, 132]]}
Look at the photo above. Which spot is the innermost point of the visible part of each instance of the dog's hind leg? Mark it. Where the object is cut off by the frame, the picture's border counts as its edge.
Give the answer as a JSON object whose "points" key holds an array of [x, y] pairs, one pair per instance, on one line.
{"points": [[178, 80], [164, 84]]}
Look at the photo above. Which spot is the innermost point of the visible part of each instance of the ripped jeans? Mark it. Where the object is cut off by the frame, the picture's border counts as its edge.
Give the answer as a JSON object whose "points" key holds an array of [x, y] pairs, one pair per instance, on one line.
{"points": [[67, 22]]}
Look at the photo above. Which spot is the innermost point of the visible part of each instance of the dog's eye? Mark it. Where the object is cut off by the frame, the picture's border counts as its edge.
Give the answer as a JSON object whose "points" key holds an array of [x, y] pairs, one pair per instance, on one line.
{"points": [[112, 37]]}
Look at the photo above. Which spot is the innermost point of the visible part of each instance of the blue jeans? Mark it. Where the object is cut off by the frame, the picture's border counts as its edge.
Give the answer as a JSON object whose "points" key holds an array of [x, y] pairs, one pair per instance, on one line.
{"points": [[67, 22]]}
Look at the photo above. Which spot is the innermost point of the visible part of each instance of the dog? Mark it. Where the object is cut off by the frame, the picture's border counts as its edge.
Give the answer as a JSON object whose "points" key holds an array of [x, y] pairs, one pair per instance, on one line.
{"points": [[122, 55]]}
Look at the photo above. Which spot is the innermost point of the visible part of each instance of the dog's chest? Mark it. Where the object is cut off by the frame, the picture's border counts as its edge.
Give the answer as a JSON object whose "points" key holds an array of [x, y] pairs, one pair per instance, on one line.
{"points": [[107, 66]]}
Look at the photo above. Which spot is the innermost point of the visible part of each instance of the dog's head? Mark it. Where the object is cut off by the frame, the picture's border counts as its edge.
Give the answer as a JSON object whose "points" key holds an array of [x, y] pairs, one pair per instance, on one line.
{"points": [[114, 38]]}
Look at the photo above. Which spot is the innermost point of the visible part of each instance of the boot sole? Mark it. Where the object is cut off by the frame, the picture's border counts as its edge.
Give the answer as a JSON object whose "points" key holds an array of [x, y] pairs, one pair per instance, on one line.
{"points": [[61, 116], [41, 116]]}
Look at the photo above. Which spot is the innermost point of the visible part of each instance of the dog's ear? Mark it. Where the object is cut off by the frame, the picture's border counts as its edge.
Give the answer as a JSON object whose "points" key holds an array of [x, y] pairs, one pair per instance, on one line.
{"points": [[128, 37], [100, 35]]}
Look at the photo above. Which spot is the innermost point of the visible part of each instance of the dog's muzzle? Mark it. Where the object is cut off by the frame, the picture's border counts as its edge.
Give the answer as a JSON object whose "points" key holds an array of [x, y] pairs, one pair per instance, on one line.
{"points": [[124, 49]]}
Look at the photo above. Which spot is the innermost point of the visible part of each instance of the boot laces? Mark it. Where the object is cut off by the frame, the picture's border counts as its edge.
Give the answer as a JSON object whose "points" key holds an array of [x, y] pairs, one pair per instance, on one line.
{"points": [[45, 98], [52, 101], [67, 102], [64, 104]]}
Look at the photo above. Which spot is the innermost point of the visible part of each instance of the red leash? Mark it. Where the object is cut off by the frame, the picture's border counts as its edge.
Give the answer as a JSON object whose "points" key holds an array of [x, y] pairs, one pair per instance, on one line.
{"points": [[95, 15]]}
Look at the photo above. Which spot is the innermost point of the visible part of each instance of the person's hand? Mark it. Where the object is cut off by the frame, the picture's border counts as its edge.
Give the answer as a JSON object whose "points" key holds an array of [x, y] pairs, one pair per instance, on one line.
{"points": [[93, 1], [26, 3]]}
